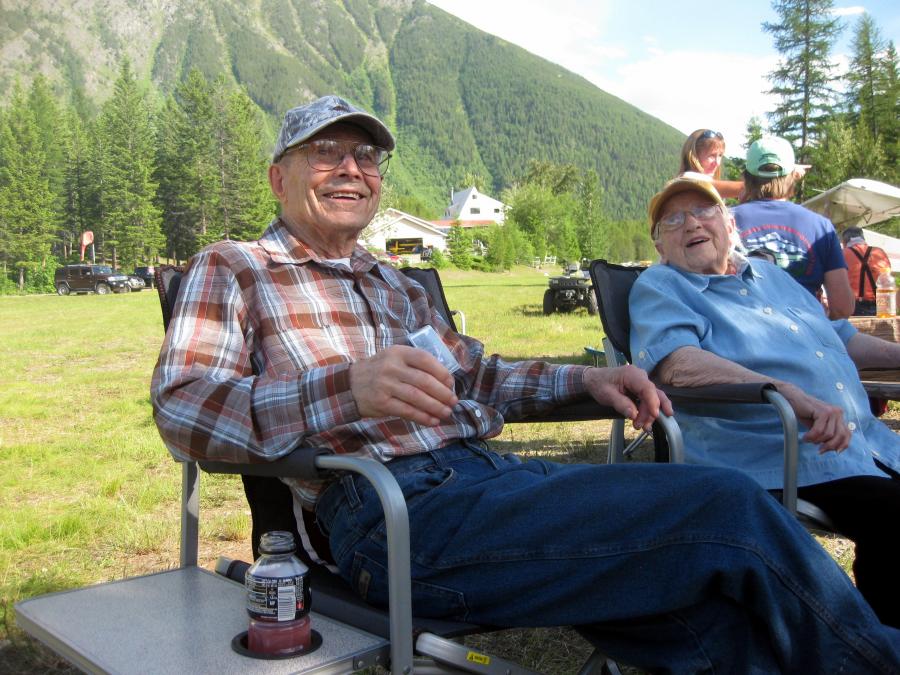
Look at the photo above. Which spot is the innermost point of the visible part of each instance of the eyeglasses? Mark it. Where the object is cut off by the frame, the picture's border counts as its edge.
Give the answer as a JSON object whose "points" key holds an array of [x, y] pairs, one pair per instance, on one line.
{"points": [[675, 221], [326, 155], [709, 133]]}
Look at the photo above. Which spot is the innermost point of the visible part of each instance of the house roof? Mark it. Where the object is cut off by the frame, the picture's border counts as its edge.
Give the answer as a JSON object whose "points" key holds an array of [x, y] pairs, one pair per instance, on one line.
{"points": [[450, 222], [389, 217]]}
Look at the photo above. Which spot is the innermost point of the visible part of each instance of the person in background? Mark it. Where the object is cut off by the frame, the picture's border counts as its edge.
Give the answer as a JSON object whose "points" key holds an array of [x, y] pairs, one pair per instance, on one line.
{"points": [[708, 315], [302, 338], [864, 265], [803, 243], [702, 154]]}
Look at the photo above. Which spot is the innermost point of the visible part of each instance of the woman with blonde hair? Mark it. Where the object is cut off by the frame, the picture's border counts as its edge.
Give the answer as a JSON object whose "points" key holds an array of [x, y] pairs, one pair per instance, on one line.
{"points": [[701, 155]]}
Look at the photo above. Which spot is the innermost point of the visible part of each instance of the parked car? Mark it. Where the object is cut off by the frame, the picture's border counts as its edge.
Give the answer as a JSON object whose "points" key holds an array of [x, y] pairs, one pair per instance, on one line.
{"points": [[99, 279], [146, 275], [136, 283]]}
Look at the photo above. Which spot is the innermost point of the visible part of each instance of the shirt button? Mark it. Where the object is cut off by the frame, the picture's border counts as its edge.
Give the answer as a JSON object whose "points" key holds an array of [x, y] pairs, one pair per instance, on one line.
{"points": [[852, 426], [382, 328], [795, 327], [477, 412], [743, 291], [820, 354], [642, 354], [839, 386], [767, 310]]}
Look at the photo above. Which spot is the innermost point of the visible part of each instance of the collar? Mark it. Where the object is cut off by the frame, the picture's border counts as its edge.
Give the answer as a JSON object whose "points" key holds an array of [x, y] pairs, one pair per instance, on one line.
{"points": [[286, 249], [744, 269]]}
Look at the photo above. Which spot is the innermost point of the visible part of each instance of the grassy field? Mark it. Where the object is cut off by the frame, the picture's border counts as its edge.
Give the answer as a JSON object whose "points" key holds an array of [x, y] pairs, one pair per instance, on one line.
{"points": [[88, 493]]}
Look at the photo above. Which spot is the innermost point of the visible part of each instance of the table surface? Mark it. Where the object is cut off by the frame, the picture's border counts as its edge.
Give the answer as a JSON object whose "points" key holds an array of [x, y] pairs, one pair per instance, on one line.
{"points": [[180, 621], [886, 329]]}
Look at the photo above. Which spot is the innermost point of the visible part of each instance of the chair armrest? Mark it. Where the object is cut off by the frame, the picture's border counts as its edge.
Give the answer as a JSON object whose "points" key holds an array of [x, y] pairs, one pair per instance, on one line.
{"points": [[300, 463], [725, 393], [582, 410]]}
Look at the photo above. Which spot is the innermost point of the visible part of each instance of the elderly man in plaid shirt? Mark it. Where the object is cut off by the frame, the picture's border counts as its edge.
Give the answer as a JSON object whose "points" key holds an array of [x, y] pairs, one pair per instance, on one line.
{"points": [[302, 338]]}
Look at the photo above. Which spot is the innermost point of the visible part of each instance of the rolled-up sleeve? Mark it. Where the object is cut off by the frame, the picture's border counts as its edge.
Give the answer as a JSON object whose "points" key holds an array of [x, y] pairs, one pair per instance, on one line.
{"points": [[661, 322]]}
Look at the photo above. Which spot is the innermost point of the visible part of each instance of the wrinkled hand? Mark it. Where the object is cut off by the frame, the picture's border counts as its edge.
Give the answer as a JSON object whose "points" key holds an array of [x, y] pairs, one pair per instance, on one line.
{"points": [[615, 387], [825, 421], [403, 382]]}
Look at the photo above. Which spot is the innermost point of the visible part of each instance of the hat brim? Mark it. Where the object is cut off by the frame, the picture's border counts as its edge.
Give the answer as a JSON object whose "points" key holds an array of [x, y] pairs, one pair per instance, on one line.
{"points": [[380, 134], [678, 186]]}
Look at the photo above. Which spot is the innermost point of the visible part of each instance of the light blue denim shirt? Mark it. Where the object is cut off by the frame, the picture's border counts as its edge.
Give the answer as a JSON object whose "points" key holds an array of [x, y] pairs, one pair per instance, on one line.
{"points": [[764, 320]]}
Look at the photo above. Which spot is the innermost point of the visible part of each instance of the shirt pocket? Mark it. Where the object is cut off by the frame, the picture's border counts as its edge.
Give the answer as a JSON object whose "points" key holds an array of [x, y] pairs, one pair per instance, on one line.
{"points": [[819, 328]]}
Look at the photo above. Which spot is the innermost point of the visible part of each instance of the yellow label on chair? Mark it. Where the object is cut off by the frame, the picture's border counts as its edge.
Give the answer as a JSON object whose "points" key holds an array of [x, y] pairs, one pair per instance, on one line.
{"points": [[475, 657]]}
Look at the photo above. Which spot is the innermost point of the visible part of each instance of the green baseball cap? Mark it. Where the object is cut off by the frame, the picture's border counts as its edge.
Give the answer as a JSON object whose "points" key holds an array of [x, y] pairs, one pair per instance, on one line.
{"points": [[770, 157]]}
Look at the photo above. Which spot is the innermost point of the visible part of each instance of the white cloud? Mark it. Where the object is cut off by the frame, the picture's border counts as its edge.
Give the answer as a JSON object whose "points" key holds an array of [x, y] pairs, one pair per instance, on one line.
{"points": [[692, 90], [848, 11]]}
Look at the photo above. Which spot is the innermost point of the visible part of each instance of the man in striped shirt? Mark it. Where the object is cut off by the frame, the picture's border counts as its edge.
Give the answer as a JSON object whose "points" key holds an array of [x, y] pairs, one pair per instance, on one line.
{"points": [[302, 338]]}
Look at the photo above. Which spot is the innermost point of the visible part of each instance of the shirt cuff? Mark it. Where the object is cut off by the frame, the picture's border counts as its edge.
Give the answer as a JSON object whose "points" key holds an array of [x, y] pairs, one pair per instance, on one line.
{"points": [[326, 398]]}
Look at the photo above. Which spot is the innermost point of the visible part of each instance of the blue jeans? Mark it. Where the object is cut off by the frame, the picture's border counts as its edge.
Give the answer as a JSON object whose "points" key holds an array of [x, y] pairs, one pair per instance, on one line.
{"points": [[670, 568]]}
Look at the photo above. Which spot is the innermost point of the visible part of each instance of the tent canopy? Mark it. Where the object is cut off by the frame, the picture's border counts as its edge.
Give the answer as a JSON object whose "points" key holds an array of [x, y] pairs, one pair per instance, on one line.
{"points": [[857, 202]]}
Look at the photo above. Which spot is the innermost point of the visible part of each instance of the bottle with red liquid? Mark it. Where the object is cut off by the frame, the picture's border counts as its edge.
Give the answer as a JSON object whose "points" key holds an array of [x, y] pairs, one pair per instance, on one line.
{"points": [[278, 598]]}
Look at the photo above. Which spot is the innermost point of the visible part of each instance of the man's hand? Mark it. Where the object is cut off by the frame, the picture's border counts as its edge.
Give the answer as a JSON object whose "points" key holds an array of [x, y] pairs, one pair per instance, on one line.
{"points": [[825, 421], [403, 382], [615, 387]]}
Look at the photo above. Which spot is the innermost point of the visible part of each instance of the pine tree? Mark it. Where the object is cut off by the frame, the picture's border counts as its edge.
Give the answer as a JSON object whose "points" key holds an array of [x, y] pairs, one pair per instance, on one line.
{"points": [[131, 220], [52, 135], [864, 77], [803, 79], [26, 204], [247, 203], [459, 246], [77, 189]]}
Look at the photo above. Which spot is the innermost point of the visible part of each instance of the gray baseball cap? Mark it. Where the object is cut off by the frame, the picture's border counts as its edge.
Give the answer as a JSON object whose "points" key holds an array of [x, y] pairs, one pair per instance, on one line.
{"points": [[305, 121]]}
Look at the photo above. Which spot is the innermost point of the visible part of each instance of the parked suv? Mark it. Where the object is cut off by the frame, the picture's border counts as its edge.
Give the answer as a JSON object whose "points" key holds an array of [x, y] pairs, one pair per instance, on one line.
{"points": [[145, 274], [90, 278]]}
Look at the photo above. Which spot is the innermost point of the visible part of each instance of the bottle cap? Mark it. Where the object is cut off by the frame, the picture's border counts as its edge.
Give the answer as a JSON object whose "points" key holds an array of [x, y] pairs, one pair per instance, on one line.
{"points": [[278, 541]]}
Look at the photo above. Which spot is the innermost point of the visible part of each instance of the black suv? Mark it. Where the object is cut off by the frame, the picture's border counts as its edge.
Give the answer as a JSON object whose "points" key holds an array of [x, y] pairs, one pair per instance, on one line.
{"points": [[145, 274], [90, 278]]}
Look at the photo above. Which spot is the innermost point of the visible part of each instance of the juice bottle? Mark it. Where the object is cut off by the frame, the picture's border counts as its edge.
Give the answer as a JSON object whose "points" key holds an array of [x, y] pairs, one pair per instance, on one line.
{"points": [[885, 296], [278, 598]]}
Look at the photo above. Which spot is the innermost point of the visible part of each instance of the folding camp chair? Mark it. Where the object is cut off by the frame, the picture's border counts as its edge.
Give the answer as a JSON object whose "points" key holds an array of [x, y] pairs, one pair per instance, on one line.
{"points": [[182, 620], [612, 284]]}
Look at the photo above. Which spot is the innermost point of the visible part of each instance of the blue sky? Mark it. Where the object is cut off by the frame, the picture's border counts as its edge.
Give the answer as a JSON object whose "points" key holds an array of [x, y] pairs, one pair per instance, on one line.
{"points": [[690, 63]]}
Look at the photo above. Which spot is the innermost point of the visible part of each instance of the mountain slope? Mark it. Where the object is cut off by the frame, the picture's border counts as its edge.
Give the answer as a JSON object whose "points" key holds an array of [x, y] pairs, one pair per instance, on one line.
{"points": [[460, 100]]}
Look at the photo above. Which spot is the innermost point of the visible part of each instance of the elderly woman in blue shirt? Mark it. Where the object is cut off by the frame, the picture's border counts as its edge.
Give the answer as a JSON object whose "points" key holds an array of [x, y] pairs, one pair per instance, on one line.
{"points": [[708, 315]]}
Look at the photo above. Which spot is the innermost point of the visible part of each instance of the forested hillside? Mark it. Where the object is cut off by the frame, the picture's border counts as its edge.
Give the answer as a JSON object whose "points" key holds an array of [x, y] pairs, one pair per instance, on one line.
{"points": [[463, 103]]}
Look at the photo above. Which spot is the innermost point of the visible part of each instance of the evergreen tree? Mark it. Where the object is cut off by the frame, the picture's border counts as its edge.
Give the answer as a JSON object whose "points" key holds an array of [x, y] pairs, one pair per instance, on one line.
{"points": [[52, 135], [131, 220], [26, 204], [755, 131], [459, 246], [246, 201], [803, 79], [76, 184], [864, 76]]}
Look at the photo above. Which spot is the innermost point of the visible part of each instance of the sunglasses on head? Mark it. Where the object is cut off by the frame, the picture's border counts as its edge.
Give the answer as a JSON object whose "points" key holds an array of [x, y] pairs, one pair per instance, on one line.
{"points": [[709, 133]]}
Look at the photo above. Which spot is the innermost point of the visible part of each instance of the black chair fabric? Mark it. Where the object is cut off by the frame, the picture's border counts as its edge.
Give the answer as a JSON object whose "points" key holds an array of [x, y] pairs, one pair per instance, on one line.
{"points": [[428, 279]]}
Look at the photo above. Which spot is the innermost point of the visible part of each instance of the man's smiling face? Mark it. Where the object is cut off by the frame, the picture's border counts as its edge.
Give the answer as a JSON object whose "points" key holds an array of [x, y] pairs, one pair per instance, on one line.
{"points": [[700, 245], [334, 204]]}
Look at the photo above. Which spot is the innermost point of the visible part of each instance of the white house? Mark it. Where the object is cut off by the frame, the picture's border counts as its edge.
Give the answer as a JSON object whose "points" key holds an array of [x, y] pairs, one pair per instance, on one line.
{"points": [[397, 232], [470, 204]]}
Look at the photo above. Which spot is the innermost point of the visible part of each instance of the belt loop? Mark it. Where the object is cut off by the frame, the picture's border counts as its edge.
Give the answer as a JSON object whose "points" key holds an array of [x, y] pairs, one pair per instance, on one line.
{"points": [[480, 448], [349, 486]]}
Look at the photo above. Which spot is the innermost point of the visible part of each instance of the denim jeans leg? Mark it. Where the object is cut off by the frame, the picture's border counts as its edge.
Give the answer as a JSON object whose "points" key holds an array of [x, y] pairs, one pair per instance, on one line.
{"points": [[701, 555]]}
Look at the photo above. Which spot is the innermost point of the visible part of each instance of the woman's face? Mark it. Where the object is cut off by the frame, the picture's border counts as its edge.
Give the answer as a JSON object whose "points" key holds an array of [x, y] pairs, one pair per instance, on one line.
{"points": [[710, 159]]}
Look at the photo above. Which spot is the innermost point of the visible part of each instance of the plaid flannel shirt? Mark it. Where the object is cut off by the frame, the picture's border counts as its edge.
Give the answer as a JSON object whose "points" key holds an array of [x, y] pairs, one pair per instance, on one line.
{"points": [[257, 356]]}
